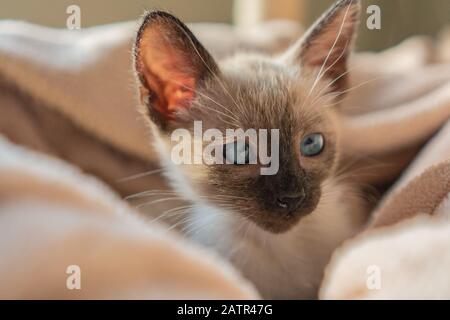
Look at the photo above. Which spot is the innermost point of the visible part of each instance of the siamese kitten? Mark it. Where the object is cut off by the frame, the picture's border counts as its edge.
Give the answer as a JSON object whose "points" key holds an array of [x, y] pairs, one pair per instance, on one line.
{"points": [[280, 229]]}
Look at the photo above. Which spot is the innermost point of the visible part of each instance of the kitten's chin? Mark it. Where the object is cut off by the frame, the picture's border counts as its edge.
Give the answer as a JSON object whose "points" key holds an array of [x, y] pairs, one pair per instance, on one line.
{"points": [[276, 227], [279, 222]]}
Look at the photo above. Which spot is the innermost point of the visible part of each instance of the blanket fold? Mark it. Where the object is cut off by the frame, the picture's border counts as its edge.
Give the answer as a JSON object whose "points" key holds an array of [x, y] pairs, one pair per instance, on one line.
{"points": [[407, 243], [70, 95], [54, 219]]}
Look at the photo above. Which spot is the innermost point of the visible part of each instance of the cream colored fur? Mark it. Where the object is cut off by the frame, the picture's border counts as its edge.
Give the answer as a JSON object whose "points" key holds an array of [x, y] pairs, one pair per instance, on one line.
{"points": [[288, 265]]}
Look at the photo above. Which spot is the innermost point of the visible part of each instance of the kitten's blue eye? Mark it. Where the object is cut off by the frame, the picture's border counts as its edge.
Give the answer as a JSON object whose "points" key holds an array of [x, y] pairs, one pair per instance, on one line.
{"points": [[312, 145], [236, 153]]}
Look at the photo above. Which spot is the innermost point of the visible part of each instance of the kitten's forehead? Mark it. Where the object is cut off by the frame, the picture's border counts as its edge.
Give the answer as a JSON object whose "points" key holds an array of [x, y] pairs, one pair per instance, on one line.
{"points": [[269, 94]]}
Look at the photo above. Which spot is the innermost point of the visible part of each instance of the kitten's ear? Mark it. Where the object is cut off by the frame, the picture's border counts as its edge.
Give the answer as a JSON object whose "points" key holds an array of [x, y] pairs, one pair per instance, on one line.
{"points": [[327, 44], [171, 64]]}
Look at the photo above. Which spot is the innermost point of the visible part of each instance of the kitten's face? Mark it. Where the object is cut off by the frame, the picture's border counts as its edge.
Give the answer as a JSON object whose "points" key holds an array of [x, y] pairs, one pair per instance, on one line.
{"points": [[181, 83]]}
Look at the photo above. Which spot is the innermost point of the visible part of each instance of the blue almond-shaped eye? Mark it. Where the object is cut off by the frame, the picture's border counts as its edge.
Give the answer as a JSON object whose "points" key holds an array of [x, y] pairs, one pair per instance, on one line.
{"points": [[236, 153], [312, 145]]}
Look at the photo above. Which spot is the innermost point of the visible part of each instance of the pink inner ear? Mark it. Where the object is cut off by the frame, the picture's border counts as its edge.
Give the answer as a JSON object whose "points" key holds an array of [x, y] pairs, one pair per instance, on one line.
{"points": [[169, 75], [172, 90], [180, 94], [169, 96]]}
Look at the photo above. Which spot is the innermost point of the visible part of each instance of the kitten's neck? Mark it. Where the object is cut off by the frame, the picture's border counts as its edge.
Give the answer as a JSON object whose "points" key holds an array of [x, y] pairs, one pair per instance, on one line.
{"points": [[281, 265]]}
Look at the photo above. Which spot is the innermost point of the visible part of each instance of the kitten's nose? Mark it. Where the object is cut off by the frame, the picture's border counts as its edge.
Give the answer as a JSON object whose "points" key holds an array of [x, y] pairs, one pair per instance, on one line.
{"points": [[290, 201]]}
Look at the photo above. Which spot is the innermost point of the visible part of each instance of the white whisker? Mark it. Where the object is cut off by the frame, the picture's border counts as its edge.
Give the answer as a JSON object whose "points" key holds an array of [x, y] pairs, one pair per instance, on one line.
{"points": [[140, 175], [320, 74]]}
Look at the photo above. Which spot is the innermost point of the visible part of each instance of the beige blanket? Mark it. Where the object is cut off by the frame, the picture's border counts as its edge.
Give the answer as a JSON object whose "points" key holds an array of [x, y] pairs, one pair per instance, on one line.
{"points": [[54, 219], [53, 216], [405, 251]]}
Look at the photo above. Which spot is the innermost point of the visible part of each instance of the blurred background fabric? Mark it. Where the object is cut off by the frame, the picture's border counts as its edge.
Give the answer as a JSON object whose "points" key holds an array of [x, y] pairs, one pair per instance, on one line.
{"points": [[399, 19], [68, 94]]}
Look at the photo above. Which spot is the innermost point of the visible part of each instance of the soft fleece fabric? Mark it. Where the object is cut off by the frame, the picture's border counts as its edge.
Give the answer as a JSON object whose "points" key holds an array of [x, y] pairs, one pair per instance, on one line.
{"points": [[52, 214], [52, 217]]}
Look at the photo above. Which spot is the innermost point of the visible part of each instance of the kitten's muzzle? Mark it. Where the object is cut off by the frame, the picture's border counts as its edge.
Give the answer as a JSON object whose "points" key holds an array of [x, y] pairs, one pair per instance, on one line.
{"points": [[290, 201]]}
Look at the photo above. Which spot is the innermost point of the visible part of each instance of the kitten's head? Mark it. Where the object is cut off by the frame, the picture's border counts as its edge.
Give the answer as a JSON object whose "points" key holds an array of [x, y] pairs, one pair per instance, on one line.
{"points": [[180, 83]]}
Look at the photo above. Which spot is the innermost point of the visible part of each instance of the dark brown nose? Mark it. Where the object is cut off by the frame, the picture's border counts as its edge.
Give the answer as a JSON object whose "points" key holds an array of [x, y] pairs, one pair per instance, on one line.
{"points": [[290, 201]]}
